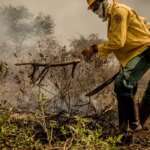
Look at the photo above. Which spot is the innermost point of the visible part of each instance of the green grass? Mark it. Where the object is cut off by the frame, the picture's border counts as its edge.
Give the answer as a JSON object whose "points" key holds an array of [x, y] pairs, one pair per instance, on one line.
{"points": [[63, 132]]}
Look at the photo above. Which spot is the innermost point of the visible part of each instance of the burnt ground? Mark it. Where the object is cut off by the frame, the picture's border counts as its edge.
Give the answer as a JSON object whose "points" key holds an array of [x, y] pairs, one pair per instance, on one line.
{"points": [[141, 140], [108, 122]]}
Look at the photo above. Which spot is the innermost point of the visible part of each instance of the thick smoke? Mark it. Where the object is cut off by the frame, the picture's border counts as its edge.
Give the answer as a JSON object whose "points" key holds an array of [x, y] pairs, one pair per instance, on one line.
{"points": [[21, 30]]}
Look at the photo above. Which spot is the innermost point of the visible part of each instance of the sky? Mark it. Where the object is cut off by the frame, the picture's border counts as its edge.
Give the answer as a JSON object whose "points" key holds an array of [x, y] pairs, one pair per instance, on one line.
{"points": [[72, 18]]}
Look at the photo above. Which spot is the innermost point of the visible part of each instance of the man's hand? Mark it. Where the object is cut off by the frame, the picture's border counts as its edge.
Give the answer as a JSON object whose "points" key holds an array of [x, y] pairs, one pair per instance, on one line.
{"points": [[88, 53]]}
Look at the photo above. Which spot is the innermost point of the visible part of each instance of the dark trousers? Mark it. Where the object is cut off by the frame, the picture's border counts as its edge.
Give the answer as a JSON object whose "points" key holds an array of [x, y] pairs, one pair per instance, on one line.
{"points": [[126, 87]]}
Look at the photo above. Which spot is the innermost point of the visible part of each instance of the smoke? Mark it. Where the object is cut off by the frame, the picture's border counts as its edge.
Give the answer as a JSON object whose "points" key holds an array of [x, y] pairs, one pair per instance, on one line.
{"points": [[20, 32], [4, 29], [141, 6], [72, 17]]}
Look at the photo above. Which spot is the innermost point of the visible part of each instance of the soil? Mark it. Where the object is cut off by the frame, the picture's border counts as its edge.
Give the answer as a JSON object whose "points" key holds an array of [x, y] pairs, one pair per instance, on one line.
{"points": [[141, 139], [108, 121]]}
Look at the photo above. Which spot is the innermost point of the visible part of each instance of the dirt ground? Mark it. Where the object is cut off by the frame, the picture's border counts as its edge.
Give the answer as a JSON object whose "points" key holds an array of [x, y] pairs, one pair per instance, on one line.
{"points": [[141, 140], [108, 121]]}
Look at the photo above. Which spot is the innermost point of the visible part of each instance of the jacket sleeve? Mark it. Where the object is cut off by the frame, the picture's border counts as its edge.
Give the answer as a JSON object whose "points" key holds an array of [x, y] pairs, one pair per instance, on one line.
{"points": [[116, 33], [145, 22]]}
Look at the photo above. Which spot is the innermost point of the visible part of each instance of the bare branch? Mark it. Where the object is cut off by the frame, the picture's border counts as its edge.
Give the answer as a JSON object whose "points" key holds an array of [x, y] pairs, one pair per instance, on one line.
{"points": [[50, 65], [45, 69]]}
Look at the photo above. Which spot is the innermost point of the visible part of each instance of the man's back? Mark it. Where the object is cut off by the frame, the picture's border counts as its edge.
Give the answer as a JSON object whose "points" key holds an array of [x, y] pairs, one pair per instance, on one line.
{"points": [[128, 35]]}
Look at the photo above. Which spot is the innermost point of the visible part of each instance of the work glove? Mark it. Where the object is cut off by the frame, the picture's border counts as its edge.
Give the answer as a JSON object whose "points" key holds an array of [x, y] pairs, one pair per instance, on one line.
{"points": [[88, 53]]}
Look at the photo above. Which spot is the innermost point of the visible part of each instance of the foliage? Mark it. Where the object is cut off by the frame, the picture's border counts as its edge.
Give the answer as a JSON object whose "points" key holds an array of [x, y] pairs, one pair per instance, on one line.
{"points": [[44, 130], [19, 24], [16, 20], [14, 137], [84, 42], [40, 130], [43, 24], [17, 133]]}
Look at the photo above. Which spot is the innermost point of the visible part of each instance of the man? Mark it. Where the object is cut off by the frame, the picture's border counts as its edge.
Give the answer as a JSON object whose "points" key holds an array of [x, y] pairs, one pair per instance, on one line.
{"points": [[129, 40]]}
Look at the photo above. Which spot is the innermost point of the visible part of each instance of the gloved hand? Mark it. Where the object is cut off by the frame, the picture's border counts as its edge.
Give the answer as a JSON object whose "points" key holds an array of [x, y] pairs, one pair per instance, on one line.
{"points": [[88, 53]]}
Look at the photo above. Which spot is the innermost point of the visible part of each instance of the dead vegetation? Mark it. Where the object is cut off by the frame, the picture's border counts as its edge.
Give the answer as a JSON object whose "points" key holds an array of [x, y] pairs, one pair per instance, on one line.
{"points": [[57, 131], [46, 108]]}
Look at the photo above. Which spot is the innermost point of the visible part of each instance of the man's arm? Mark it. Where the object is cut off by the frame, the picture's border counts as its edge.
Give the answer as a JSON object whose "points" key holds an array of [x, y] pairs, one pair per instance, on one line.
{"points": [[116, 34]]}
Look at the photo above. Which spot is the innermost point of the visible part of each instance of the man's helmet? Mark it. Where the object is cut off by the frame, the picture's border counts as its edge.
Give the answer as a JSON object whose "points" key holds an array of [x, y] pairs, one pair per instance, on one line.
{"points": [[90, 2]]}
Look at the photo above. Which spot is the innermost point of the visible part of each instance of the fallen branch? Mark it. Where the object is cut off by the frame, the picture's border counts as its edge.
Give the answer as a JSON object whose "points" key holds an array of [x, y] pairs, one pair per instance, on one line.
{"points": [[45, 68], [50, 65]]}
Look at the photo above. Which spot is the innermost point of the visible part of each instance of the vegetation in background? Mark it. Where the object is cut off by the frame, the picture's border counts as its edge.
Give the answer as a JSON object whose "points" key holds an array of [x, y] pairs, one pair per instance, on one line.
{"points": [[54, 114]]}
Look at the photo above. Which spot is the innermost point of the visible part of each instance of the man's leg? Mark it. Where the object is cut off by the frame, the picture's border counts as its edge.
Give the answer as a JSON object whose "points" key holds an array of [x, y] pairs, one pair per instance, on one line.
{"points": [[126, 107], [145, 106], [125, 88]]}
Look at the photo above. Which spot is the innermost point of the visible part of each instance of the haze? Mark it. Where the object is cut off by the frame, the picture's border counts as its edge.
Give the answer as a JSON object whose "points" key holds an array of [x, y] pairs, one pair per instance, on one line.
{"points": [[72, 18]]}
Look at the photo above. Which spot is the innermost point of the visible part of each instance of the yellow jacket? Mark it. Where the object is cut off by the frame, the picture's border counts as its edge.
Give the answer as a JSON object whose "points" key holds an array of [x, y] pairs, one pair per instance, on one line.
{"points": [[128, 35]]}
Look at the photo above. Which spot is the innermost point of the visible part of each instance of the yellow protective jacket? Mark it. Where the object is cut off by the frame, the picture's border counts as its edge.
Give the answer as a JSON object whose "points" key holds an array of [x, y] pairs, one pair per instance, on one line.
{"points": [[128, 35]]}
